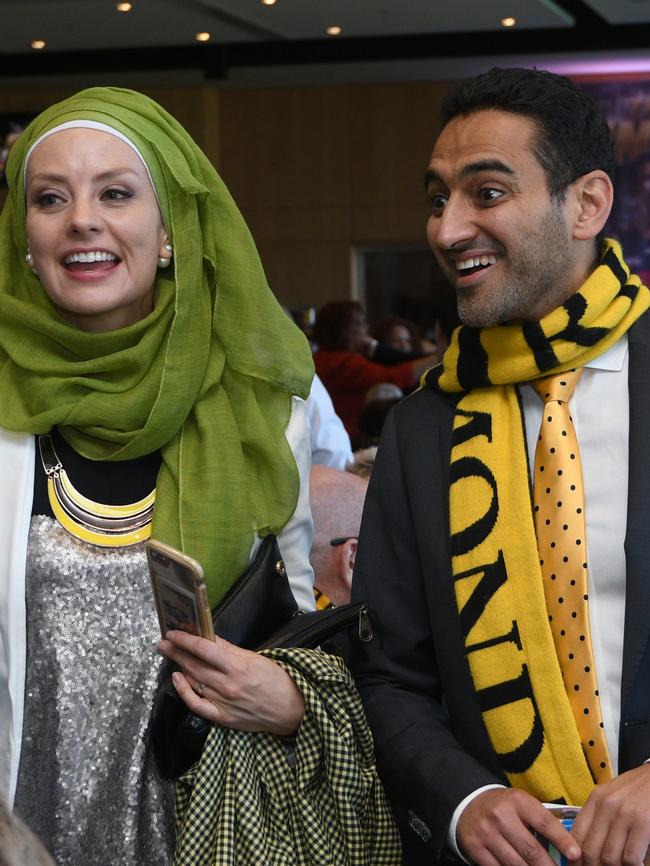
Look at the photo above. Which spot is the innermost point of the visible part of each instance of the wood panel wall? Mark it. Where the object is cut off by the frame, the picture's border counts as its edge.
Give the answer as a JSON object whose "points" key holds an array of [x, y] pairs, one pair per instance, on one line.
{"points": [[318, 171]]}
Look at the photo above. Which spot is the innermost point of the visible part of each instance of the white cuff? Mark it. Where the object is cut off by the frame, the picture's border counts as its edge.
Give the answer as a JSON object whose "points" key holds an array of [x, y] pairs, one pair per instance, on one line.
{"points": [[455, 818]]}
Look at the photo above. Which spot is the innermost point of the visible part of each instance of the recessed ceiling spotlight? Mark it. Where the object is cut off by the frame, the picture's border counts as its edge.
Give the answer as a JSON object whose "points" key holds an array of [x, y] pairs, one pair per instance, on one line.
{"points": [[204, 36], [334, 30], [124, 7], [508, 22], [269, 2], [38, 44]]}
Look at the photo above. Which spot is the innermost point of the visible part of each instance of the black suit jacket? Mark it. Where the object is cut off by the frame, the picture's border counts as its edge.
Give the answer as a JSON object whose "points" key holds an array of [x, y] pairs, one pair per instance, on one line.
{"points": [[431, 744]]}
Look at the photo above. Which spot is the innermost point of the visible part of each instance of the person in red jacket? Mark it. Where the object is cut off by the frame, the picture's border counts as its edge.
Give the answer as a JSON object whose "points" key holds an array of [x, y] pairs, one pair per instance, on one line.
{"points": [[342, 362]]}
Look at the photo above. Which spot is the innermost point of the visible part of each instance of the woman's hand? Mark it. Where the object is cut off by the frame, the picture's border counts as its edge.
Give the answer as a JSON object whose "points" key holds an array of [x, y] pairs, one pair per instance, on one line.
{"points": [[233, 687]]}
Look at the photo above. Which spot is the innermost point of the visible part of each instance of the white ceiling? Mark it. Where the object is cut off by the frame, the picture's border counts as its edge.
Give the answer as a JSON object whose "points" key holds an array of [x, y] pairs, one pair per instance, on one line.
{"points": [[157, 36]]}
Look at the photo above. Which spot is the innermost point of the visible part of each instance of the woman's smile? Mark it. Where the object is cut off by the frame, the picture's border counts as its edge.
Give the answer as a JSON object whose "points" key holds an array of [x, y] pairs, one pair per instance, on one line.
{"points": [[90, 264]]}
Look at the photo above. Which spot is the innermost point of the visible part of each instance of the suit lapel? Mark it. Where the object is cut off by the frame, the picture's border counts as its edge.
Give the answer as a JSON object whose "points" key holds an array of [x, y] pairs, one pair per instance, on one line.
{"points": [[637, 607]]}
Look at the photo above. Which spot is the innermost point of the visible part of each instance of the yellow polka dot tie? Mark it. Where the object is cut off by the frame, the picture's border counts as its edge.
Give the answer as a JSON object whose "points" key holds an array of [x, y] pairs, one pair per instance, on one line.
{"points": [[559, 505]]}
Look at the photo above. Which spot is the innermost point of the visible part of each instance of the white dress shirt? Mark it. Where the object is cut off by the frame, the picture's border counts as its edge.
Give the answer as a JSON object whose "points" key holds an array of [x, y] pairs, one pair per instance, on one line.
{"points": [[330, 443], [600, 412]]}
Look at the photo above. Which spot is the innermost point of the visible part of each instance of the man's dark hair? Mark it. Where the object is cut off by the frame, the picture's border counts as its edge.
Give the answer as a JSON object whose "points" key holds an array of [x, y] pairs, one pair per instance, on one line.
{"points": [[573, 136]]}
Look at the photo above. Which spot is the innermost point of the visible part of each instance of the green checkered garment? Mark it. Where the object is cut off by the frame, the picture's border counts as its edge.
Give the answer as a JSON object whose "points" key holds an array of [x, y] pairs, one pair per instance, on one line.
{"points": [[245, 804]]}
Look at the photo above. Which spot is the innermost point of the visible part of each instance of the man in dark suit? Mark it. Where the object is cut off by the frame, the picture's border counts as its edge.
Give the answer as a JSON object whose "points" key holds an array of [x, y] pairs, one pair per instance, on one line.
{"points": [[470, 694]]}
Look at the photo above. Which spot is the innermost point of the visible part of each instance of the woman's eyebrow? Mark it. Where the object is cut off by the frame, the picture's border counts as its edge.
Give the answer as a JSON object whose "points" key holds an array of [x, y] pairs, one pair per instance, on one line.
{"points": [[109, 174], [46, 176]]}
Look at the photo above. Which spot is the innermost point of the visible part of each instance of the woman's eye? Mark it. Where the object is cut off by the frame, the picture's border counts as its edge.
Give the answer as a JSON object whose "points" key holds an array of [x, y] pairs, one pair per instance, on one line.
{"points": [[116, 194], [489, 195], [47, 199]]}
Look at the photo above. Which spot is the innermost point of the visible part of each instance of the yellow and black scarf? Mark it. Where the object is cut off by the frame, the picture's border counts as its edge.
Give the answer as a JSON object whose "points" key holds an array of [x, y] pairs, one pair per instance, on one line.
{"points": [[495, 564]]}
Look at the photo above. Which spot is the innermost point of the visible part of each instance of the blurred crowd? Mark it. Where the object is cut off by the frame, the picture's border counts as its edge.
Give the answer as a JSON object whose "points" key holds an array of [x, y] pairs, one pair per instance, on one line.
{"points": [[366, 368]]}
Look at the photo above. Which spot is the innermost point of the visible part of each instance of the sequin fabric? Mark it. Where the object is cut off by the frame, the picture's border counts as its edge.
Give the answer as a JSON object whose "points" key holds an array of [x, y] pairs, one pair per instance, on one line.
{"points": [[87, 784]]}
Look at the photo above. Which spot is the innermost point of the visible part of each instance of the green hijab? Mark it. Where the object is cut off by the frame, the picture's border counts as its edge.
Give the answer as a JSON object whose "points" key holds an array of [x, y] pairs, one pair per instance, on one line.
{"points": [[207, 377]]}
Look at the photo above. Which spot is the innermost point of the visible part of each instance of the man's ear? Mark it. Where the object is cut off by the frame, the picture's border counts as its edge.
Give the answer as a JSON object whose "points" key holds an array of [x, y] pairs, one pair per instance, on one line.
{"points": [[594, 196], [350, 547], [346, 559]]}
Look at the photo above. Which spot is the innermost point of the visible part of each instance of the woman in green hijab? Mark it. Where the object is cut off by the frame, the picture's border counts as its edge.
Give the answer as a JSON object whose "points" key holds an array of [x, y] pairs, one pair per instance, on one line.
{"points": [[140, 349]]}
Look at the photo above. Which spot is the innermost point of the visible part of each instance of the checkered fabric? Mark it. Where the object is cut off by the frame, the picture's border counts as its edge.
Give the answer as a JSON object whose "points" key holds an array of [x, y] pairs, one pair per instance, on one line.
{"points": [[244, 805]]}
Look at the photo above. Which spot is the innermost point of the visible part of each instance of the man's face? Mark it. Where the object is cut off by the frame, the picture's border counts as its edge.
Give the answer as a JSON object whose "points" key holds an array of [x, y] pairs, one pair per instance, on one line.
{"points": [[504, 244]]}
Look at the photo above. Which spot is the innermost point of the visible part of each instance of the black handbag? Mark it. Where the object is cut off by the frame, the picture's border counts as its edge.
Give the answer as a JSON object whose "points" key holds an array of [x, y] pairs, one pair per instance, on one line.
{"points": [[258, 612]]}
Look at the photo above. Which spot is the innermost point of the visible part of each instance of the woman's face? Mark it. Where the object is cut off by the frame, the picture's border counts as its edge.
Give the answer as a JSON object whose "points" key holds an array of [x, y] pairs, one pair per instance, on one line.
{"points": [[357, 332], [94, 228], [399, 337]]}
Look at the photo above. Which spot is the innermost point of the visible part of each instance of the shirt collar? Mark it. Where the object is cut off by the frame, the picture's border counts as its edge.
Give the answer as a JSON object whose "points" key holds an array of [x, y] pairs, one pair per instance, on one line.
{"points": [[613, 359]]}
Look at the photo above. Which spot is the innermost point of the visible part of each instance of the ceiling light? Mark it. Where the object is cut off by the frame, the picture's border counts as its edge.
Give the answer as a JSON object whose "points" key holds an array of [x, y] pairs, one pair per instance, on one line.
{"points": [[508, 22], [269, 2], [335, 30], [204, 36], [38, 44], [124, 7]]}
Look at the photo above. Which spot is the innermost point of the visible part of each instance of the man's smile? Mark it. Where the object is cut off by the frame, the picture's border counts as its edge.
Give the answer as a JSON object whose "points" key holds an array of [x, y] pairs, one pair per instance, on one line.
{"points": [[468, 267]]}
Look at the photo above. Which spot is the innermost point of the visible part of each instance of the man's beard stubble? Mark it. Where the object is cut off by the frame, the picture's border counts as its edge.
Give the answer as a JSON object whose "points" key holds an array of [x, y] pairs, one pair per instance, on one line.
{"points": [[535, 271]]}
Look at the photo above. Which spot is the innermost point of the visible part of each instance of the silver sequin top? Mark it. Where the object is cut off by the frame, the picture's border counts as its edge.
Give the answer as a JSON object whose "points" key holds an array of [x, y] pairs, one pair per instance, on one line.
{"points": [[87, 784]]}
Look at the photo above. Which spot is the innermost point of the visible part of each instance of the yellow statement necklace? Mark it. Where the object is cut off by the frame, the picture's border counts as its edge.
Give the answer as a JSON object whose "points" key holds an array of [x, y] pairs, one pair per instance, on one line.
{"points": [[93, 522]]}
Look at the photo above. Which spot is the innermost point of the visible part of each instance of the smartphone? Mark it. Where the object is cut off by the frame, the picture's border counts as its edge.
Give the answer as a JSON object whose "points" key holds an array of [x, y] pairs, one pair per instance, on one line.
{"points": [[179, 591], [566, 815]]}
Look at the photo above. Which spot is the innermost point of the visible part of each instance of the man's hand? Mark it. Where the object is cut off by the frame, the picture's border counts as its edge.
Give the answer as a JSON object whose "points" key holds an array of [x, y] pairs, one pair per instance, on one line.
{"points": [[613, 827], [496, 829]]}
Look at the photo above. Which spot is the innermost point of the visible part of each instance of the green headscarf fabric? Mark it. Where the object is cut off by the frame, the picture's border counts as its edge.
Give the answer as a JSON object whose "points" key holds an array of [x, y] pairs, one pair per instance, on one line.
{"points": [[207, 377]]}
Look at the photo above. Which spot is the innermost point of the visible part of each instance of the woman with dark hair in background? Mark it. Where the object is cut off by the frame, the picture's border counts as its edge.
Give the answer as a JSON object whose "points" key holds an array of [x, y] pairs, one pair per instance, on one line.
{"points": [[400, 335]]}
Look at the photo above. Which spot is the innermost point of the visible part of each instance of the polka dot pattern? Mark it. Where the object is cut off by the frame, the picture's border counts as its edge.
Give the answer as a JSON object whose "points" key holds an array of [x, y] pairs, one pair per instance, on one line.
{"points": [[558, 500]]}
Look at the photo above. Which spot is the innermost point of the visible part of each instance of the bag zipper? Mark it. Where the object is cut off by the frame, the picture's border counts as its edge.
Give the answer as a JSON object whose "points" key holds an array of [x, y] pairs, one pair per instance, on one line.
{"points": [[327, 625]]}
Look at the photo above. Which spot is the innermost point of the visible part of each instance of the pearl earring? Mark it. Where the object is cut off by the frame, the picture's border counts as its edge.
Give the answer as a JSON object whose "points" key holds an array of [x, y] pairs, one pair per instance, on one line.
{"points": [[166, 262], [30, 263]]}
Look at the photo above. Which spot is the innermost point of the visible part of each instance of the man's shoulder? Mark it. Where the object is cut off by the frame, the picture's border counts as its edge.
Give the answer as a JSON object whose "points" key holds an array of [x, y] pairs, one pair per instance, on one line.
{"points": [[420, 425], [427, 404]]}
